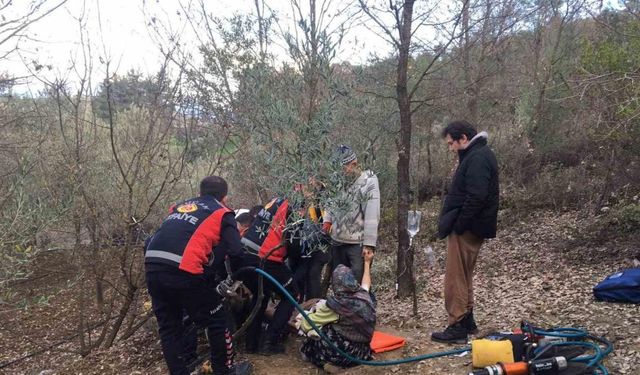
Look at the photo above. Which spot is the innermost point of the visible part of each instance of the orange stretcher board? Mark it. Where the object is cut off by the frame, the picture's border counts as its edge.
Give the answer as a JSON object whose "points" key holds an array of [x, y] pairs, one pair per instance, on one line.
{"points": [[384, 342]]}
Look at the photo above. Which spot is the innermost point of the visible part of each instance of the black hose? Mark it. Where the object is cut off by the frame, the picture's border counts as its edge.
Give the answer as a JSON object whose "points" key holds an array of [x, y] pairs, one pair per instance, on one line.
{"points": [[260, 292], [245, 325]]}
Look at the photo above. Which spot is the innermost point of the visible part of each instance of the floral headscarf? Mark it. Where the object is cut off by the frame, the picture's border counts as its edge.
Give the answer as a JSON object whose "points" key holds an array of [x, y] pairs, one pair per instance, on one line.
{"points": [[351, 302]]}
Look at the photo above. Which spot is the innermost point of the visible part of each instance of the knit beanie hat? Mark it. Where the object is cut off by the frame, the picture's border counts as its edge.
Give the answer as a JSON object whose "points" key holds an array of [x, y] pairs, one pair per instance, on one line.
{"points": [[346, 154]]}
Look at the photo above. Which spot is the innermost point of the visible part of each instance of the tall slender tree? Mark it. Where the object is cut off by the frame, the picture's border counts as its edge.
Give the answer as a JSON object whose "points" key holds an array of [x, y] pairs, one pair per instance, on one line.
{"points": [[406, 21]]}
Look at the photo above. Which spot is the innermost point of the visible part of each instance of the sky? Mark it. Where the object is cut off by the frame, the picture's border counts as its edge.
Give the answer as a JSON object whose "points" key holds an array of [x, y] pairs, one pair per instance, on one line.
{"points": [[55, 41], [120, 29]]}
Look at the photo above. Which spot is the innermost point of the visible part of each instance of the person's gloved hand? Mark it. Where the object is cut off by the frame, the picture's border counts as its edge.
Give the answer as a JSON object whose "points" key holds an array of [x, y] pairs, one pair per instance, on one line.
{"points": [[224, 288]]}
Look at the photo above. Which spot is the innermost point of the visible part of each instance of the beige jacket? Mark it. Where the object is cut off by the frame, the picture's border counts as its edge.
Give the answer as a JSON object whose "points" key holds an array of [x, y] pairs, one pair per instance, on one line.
{"points": [[355, 214]]}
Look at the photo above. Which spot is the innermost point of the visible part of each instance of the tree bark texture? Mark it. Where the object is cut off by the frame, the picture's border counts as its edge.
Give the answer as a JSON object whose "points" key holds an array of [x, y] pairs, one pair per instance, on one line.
{"points": [[404, 271]]}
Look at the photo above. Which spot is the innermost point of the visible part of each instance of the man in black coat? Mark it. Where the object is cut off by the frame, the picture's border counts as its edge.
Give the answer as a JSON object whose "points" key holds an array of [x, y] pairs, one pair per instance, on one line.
{"points": [[469, 215]]}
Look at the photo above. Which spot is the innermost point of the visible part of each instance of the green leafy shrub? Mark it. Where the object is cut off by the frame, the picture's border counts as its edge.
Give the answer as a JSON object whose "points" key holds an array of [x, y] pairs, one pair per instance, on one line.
{"points": [[626, 217]]}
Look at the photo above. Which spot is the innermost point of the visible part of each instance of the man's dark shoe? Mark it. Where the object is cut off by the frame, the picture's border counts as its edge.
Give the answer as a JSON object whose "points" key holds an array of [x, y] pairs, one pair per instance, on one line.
{"points": [[453, 334], [272, 348], [242, 368], [469, 323]]}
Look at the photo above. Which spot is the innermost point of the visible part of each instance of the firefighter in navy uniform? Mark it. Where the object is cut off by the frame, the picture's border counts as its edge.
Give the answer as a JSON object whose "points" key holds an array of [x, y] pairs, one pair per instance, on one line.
{"points": [[180, 259], [271, 236]]}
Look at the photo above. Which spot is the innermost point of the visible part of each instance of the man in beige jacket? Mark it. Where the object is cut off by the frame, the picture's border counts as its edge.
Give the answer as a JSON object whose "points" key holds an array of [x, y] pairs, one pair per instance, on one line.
{"points": [[354, 215]]}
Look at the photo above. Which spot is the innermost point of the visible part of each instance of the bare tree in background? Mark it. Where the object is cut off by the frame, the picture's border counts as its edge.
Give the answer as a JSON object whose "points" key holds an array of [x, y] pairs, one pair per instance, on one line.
{"points": [[14, 27], [22, 217], [110, 173], [401, 16], [554, 33], [484, 29]]}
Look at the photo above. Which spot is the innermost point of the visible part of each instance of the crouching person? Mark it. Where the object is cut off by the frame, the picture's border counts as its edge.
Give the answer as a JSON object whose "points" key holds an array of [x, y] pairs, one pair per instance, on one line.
{"points": [[191, 243], [348, 319], [270, 238]]}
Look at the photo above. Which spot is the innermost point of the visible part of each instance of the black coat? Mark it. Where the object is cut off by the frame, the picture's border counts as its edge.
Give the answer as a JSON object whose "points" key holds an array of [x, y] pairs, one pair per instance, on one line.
{"points": [[473, 197]]}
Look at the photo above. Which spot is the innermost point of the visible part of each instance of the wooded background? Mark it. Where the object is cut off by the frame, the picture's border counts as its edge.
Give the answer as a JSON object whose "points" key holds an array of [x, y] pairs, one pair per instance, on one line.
{"points": [[90, 167]]}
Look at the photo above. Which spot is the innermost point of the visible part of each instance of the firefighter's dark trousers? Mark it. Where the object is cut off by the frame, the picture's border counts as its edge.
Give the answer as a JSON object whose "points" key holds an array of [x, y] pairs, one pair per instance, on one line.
{"points": [[277, 328], [172, 293]]}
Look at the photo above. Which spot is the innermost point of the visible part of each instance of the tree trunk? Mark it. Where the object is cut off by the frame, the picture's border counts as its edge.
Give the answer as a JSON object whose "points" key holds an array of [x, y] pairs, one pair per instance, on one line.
{"points": [[404, 271], [471, 93], [122, 314]]}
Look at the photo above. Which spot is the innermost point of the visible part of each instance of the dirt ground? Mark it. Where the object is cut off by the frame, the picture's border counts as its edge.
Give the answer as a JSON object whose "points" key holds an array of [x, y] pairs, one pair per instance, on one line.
{"points": [[540, 268]]}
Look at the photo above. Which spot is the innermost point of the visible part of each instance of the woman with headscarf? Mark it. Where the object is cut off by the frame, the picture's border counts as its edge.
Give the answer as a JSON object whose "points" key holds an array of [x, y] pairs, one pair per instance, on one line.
{"points": [[347, 318]]}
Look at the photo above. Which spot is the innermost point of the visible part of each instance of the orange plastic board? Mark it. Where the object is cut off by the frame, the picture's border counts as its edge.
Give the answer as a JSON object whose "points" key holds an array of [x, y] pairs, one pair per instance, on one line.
{"points": [[384, 342]]}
